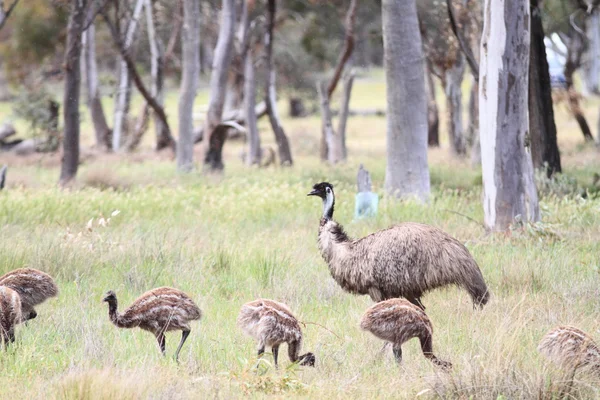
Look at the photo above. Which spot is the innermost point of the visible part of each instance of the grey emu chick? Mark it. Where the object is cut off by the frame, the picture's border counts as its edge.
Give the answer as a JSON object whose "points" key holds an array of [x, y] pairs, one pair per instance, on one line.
{"points": [[405, 260], [34, 287], [158, 311], [397, 321], [10, 314], [571, 348], [272, 323]]}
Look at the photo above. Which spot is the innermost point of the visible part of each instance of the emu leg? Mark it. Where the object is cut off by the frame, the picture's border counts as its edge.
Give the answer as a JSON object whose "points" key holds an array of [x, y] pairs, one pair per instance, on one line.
{"points": [[184, 335], [427, 348], [275, 350], [160, 338], [376, 295], [397, 352], [261, 351]]}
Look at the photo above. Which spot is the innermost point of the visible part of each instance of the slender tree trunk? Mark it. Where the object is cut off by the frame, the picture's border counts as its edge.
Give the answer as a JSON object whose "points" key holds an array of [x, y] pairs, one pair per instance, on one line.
{"points": [[337, 73], [542, 129], [453, 78], [474, 124], [508, 183], [190, 43], [344, 112], [94, 102], [333, 148], [123, 94], [70, 160], [592, 67], [218, 88], [283, 146], [253, 154], [575, 48], [433, 118], [407, 171]]}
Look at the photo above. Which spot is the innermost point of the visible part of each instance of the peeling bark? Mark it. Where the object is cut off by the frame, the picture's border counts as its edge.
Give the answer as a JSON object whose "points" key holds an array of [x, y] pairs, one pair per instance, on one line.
{"points": [[510, 195]]}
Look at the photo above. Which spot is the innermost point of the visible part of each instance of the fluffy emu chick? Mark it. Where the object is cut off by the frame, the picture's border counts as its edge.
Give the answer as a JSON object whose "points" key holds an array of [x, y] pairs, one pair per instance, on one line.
{"points": [[158, 311], [571, 348], [33, 286], [272, 323], [10, 314], [405, 260], [397, 321]]}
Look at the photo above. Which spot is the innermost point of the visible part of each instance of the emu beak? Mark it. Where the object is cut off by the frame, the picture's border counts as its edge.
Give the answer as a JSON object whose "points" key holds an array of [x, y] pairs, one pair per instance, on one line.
{"points": [[314, 192]]}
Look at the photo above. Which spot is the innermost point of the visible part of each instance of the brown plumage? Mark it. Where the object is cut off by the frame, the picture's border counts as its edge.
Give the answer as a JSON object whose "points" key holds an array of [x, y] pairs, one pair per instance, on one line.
{"points": [[397, 321], [33, 286], [405, 260], [570, 348], [158, 311], [272, 323], [10, 314]]}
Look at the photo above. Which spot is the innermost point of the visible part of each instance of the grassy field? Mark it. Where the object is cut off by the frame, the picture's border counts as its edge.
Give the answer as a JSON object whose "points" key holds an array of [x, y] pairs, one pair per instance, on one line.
{"points": [[252, 233]]}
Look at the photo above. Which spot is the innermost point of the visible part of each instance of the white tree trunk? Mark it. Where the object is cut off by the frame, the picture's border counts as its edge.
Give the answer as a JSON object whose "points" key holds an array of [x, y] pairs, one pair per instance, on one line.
{"points": [[508, 182], [90, 70], [592, 67], [156, 66], [254, 153], [190, 48], [453, 78], [407, 171], [345, 112], [122, 101]]}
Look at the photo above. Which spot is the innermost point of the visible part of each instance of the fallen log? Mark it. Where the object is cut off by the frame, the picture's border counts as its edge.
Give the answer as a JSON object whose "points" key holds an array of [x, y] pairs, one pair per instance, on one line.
{"points": [[6, 130], [231, 117]]}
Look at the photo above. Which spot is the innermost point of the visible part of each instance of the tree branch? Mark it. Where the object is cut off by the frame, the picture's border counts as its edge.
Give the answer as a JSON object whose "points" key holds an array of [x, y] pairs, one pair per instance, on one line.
{"points": [[461, 41], [348, 47], [160, 112], [6, 14]]}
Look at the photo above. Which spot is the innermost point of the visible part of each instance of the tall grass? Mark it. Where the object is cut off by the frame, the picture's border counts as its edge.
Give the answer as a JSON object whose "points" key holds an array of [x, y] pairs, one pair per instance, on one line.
{"points": [[250, 234]]}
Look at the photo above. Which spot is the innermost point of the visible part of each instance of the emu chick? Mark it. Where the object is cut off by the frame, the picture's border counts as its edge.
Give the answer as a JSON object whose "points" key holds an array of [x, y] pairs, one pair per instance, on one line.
{"points": [[10, 314], [33, 286]]}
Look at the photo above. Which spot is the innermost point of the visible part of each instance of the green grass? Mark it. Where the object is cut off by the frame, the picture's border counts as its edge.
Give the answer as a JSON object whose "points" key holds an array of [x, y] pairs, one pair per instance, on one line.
{"points": [[249, 233]]}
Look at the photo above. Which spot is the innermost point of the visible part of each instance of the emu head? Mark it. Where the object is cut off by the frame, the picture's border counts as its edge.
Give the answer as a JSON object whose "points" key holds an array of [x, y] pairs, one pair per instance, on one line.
{"points": [[308, 359], [110, 296], [325, 191]]}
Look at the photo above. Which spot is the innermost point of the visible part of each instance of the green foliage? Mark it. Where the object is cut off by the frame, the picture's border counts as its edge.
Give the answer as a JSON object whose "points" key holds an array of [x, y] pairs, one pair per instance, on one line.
{"points": [[39, 108]]}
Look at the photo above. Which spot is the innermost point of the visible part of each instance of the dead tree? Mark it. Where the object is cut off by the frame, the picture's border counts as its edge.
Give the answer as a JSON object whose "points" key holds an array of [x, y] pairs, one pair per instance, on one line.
{"points": [[283, 145], [70, 159], [94, 103], [333, 143], [218, 84]]}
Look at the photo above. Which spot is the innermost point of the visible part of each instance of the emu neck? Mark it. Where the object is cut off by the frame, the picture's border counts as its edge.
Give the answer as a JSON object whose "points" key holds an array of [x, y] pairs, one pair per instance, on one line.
{"points": [[113, 314], [328, 205]]}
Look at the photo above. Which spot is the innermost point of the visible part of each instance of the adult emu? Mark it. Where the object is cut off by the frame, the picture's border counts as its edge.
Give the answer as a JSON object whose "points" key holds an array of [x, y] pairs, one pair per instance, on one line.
{"points": [[405, 260]]}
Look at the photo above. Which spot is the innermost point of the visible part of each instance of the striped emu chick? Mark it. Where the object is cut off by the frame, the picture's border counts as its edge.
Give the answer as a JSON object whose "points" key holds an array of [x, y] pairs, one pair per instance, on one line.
{"points": [[272, 323], [397, 321], [158, 311], [571, 348], [405, 260], [33, 286], [10, 314]]}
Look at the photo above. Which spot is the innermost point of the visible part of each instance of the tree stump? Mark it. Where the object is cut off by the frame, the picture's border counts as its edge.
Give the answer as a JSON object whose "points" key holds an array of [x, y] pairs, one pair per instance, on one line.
{"points": [[366, 201]]}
